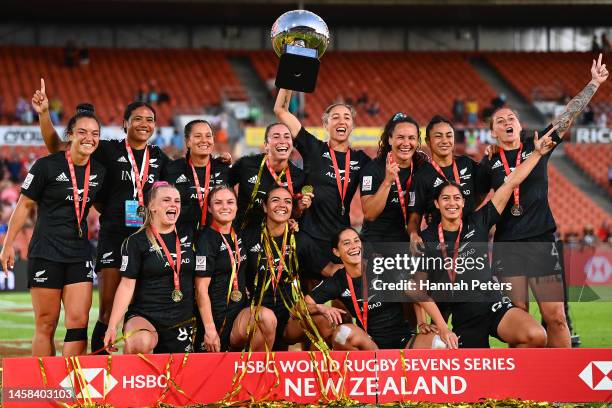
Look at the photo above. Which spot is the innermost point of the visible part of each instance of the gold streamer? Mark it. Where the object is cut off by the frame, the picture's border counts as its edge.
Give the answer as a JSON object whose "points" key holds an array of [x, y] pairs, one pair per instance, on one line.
{"points": [[43, 373]]}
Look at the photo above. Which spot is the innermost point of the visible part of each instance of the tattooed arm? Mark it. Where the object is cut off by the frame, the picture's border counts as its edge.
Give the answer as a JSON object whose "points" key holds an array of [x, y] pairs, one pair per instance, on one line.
{"points": [[599, 74]]}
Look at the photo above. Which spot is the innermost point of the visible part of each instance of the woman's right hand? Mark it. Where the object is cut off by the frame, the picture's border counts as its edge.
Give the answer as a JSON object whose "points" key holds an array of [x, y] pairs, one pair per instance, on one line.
{"points": [[391, 171], [448, 337], [40, 102], [212, 342], [7, 257], [109, 339], [333, 314]]}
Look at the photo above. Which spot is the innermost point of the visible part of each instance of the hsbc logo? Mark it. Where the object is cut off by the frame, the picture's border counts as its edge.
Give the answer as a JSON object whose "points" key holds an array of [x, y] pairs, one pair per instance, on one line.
{"points": [[96, 379], [596, 375], [598, 269]]}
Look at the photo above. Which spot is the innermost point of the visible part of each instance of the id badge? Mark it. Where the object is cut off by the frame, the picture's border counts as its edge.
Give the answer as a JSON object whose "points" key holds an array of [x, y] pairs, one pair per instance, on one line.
{"points": [[132, 219]]}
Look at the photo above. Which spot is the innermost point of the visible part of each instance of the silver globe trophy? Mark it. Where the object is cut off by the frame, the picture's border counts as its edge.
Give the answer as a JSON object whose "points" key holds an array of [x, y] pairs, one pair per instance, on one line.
{"points": [[299, 38]]}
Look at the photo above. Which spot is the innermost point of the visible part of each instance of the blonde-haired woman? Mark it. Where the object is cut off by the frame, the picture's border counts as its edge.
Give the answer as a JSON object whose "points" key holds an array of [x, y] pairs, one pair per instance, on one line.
{"points": [[156, 287]]}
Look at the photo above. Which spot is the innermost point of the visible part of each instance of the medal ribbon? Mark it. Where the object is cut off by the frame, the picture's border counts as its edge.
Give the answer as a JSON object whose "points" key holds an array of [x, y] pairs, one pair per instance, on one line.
{"points": [[138, 177], [78, 209], [502, 155], [176, 268], [400, 191], [202, 198], [451, 272], [234, 257], [276, 276], [439, 170], [278, 178], [363, 317], [342, 187]]}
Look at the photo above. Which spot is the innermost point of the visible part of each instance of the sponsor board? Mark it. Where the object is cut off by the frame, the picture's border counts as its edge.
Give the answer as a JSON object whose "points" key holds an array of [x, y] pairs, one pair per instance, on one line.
{"points": [[365, 376]]}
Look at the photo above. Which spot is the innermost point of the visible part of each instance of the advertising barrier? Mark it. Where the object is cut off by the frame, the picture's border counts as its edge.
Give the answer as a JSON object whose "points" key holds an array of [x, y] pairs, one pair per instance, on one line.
{"points": [[566, 375]]}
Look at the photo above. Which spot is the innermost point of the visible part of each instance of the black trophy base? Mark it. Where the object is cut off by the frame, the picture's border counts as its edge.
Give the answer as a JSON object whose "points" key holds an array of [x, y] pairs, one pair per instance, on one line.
{"points": [[297, 72]]}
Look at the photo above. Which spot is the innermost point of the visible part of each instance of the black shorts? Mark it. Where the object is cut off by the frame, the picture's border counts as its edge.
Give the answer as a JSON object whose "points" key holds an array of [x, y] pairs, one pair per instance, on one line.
{"points": [[474, 322], [224, 335], [109, 250], [43, 273], [169, 339], [393, 340], [530, 257]]}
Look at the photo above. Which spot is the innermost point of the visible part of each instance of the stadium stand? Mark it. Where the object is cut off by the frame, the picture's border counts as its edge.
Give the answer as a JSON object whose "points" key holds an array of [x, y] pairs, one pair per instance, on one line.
{"points": [[194, 79], [538, 75], [571, 208], [421, 84], [593, 159]]}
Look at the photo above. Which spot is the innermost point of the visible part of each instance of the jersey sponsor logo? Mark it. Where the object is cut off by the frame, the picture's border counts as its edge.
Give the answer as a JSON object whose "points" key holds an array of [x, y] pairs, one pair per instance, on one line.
{"points": [[200, 263], [124, 263], [91, 182], [438, 182], [39, 278], [181, 179], [470, 234], [27, 181], [497, 164], [366, 183], [62, 177], [152, 163], [253, 179], [126, 175], [106, 259], [122, 159]]}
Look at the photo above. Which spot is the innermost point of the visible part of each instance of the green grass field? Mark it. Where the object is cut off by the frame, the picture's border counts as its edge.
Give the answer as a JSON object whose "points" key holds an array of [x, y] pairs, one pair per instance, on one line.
{"points": [[592, 321]]}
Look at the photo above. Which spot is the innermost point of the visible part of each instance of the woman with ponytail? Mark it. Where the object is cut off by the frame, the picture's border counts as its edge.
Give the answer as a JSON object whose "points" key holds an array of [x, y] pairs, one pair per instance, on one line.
{"points": [[62, 187], [221, 262], [132, 166], [156, 288]]}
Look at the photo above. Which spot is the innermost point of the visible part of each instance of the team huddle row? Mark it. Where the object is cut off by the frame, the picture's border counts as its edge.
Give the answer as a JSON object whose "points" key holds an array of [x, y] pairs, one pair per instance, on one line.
{"points": [[202, 254]]}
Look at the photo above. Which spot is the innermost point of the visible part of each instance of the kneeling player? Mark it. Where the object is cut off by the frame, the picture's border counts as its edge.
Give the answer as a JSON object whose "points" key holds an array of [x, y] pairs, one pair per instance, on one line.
{"points": [[476, 313]]}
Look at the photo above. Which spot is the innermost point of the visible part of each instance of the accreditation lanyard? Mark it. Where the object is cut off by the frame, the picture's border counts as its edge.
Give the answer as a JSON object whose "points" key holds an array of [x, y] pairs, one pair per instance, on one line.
{"points": [[233, 256], [202, 198], [342, 187], [139, 178], [277, 178], [400, 191], [78, 209], [502, 155], [455, 171], [176, 267], [363, 317], [451, 272], [276, 275]]}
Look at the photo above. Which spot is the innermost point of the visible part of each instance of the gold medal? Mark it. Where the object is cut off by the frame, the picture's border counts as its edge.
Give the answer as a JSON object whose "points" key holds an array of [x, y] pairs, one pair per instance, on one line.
{"points": [[177, 295], [307, 189], [80, 232], [516, 210], [236, 295]]}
